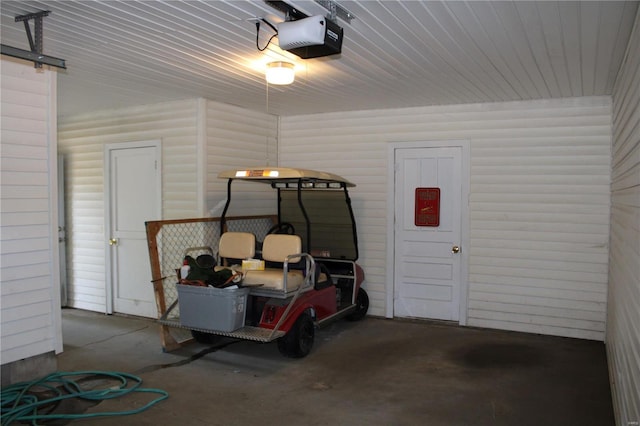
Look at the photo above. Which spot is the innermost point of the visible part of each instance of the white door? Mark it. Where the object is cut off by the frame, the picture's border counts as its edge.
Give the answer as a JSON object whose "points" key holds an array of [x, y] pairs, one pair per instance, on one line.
{"points": [[62, 234], [427, 259], [133, 198]]}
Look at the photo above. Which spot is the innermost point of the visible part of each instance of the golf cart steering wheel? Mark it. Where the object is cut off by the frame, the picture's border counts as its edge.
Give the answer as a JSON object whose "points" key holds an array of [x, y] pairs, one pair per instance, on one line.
{"points": [[282, 228]]}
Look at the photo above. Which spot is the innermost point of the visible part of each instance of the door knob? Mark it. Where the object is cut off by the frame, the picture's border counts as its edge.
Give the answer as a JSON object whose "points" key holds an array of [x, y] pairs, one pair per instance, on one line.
{"points": [[113, 242], [455, 249]]}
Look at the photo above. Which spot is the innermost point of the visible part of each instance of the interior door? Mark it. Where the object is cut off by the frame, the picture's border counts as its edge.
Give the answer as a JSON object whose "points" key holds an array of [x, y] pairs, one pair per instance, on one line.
{"points": [[134, 198], [62, 234], [427, 261]]}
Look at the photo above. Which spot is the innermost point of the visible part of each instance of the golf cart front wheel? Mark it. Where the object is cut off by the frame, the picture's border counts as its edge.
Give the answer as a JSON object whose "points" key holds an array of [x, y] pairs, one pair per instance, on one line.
{"points": [[362, 306], [298, 341]]}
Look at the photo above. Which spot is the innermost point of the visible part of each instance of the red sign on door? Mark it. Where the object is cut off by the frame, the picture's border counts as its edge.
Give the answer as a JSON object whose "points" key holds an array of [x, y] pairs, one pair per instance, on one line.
{"points": [[427, 207]]}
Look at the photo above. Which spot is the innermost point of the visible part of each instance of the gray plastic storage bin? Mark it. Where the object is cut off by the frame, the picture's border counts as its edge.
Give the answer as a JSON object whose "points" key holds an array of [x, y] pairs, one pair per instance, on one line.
{"points": [[212, 308]]}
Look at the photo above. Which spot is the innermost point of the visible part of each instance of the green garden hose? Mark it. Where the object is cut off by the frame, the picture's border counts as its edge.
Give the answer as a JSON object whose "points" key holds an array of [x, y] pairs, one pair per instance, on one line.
{"points": [[19, 402]]}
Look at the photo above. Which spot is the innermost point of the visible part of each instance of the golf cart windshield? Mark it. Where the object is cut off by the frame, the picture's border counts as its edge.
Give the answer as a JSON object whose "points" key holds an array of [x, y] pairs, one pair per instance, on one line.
{"points": [[316, 205]]}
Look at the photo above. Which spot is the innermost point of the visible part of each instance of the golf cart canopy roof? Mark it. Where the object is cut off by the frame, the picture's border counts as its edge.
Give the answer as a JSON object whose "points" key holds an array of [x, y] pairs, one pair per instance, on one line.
{"points": [[315, 205], [284, 177]]}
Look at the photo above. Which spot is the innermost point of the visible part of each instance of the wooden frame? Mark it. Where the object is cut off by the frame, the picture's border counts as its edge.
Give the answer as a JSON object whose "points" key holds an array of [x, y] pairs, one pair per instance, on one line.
{"points": [[153, 229]]}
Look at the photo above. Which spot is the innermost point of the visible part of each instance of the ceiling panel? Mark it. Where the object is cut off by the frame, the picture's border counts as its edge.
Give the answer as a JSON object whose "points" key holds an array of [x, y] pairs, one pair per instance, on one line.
{"points": [[395, 53]]}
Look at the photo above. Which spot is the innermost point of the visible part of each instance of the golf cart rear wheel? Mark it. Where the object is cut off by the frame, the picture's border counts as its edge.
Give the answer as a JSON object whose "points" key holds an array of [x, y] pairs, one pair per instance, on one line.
{"points": [[204, 338], [298, 341], [362, 306]]}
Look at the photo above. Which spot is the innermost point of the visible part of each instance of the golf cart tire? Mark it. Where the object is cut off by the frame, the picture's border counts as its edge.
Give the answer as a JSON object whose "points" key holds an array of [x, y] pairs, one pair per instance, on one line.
{"points": [[297, 343], [205, 338], [362, 306]]}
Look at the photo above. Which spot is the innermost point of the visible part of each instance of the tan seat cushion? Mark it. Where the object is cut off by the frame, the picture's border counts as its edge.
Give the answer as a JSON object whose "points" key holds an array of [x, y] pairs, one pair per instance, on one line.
{"points": [[273, 279], [237, 245], [276, 247]]}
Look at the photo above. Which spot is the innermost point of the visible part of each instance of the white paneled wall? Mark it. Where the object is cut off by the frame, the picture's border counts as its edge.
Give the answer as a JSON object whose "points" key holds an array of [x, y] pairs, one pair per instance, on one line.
{"points": [[30, 295], [539, 201], [623, 321], [199, 139], [238, 138], [81, 141]]}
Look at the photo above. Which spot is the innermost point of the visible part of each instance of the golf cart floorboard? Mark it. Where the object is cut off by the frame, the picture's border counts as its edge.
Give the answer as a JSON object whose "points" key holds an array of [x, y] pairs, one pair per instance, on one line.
{"points": [[256, 334]]}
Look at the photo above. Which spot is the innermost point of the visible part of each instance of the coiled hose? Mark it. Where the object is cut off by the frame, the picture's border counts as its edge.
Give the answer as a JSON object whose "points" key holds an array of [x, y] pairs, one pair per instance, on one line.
{"points": [[20, 403]]}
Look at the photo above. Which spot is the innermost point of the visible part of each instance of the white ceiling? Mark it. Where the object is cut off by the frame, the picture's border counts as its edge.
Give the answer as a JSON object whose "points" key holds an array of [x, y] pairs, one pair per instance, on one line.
{"points": [[394, 54]]}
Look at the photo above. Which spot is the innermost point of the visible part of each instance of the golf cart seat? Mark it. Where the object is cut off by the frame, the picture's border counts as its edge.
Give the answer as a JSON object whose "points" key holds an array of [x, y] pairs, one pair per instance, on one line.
{"points": [[234, 247], [284, 251]]}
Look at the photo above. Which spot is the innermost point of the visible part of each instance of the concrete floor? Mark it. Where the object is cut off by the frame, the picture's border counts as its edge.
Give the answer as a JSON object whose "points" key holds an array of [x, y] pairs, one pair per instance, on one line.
{"points": [[372, 372]]}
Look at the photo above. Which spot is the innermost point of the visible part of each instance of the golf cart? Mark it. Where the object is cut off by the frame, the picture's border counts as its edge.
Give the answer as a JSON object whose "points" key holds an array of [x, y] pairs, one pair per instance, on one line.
{"points": [[303, 274]]}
